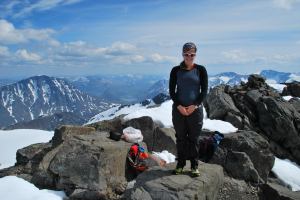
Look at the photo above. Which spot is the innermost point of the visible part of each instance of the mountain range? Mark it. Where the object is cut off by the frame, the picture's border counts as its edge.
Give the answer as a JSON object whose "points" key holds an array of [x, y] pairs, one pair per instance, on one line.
{"points": [[77, 99], [37, 96]]}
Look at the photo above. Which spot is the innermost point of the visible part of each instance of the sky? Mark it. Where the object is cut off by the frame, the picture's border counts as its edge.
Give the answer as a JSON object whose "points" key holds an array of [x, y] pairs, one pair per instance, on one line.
{"points": [[87, 37]]}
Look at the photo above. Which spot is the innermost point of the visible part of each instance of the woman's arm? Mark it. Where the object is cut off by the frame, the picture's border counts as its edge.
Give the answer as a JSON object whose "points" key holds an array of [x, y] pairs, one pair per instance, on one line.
{"points": [[172, 85], [204, 86]]}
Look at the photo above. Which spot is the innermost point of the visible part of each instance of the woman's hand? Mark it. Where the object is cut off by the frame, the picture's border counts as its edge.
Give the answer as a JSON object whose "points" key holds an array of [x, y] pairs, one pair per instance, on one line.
{"points": [[182, 110], [190, 109]]}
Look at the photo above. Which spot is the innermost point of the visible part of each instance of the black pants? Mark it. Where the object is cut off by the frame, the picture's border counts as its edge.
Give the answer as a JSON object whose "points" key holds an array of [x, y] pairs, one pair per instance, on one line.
{"points": [[188, 130]]}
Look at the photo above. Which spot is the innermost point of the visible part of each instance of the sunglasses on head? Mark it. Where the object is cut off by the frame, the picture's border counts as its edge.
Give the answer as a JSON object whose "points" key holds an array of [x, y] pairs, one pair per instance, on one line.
{"points": [[189, 55]]}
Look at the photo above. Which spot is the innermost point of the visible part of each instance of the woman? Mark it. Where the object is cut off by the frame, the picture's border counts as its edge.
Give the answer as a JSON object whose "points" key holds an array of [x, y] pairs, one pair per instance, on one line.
{"points": [[188, 87]]}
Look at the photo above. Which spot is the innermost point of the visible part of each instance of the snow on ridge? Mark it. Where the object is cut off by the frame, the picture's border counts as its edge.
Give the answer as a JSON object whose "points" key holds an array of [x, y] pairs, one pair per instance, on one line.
{"points": [[46, 92], [161, 114], [273, 83], [32, 85], [225, 79], [293, 77]]}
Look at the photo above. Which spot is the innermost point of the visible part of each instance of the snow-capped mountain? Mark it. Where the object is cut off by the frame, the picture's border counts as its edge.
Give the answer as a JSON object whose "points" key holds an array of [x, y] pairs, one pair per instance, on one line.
{"points": [[42, 95], [230, 78], [161, 86], [280, 77], [274, 79]]}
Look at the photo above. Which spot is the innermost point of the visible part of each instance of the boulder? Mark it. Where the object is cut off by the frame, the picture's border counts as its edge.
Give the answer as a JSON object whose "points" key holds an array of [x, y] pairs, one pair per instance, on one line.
{"points": [[296, 103], [245, 155], [281, 123], [238, 189], [159, 183], [114, 124], [292, 89], [272, 191], [218, 108], [240, 166], [66, 131], [83, 162]]}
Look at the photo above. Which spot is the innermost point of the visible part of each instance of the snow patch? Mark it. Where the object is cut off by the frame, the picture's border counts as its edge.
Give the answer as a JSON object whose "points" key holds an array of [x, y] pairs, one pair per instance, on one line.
{"points": [[15, 188], [12, 140], [165, 155], [288, 172]]}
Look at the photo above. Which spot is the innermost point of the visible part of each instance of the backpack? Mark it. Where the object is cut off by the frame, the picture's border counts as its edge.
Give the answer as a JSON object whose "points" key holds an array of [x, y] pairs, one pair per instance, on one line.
{"points": [[208, 146], [136, 157]]}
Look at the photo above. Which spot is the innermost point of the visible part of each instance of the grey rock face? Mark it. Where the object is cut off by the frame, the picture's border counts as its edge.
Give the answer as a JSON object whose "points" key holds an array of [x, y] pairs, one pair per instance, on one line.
{"points": [[292, 89], [259, 107], [158, 183]]}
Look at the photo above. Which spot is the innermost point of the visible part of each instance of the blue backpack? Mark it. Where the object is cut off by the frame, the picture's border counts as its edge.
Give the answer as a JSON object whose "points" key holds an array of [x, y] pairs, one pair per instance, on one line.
{"points": [[208, 146]]}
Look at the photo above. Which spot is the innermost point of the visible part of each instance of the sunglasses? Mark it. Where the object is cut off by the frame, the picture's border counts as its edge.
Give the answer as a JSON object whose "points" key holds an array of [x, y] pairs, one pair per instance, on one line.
{"points": [[189, 54]]}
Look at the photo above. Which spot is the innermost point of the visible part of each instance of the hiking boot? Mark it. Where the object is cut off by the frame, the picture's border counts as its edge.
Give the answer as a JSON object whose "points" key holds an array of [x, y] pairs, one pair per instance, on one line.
{"points": [[178, 170], [195, 172]]}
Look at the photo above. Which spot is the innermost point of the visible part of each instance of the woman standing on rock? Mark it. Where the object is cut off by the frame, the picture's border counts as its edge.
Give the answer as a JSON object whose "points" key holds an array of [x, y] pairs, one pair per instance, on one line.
{"points": [[188, 87]]}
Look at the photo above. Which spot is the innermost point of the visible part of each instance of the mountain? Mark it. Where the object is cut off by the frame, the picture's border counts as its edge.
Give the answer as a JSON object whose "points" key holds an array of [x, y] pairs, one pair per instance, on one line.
{"points": [[274, 78], [280, 77], [49, 122], [121, 89], [230, 78], [42, 95], [161, 86]]}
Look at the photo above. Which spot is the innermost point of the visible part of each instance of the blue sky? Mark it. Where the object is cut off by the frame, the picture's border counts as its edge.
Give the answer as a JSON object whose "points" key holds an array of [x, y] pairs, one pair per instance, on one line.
{"points": [[81, 37]]}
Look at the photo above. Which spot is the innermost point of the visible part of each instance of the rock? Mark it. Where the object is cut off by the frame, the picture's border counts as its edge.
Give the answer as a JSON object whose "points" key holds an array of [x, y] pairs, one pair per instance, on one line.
{"points": [[159, 183], [273, 191], [240, 166], [109, 125], [160, 98], [292, 89], [219, 107], [156, 138], [296, 103], [83, 162], [258, 107], [256, 81], [65, 131], [238, 189], [164, 139], [281, 123], [33, 153], [247, 152]]}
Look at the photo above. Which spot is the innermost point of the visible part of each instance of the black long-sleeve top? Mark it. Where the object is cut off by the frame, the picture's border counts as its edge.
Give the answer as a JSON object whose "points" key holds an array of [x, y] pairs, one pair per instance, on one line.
{"points": [[203, 84]]}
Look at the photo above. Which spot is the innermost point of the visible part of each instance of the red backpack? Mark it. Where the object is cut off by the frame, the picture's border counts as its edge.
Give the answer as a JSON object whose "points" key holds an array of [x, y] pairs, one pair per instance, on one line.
{"points": [[136, 157]]}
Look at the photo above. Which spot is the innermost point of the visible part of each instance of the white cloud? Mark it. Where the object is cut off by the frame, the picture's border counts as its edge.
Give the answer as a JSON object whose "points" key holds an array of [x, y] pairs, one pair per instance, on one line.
{"points": [[236, 55], [43, 5], [156, 57], [239, 56], [120, 48], [10, 35], [285, 4], [4, 51], [27, 56]]}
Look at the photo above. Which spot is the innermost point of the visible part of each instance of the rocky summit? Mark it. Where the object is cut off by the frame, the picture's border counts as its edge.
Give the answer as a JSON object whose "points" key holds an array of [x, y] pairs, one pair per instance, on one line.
{"points": [[86, 164], [257, 106]]}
